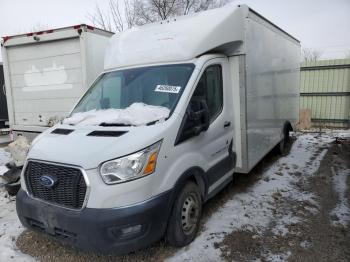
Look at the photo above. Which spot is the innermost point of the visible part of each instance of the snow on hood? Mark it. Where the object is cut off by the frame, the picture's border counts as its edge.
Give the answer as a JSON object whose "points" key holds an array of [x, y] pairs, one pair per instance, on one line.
{"points": [[137, 114]]}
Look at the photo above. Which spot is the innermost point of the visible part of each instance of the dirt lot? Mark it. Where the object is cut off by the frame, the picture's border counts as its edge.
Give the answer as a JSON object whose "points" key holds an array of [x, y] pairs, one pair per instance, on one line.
{"points": [[292, 208], [321, 236]]}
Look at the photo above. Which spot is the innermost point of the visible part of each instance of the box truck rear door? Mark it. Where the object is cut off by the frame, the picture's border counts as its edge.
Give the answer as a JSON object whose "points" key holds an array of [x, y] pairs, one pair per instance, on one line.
{"points": [[46, 80]]}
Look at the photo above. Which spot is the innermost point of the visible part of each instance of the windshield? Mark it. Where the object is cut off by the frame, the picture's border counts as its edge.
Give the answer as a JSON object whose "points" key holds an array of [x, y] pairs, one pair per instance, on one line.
{"points": [[155, 86]]}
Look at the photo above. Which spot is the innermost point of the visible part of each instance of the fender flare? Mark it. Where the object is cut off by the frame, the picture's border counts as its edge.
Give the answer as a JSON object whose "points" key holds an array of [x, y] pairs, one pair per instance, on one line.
{"points": [[194, 174]]}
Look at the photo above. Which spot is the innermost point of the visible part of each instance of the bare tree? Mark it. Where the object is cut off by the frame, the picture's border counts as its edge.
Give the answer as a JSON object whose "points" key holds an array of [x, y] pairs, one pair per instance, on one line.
{"points": [[148, 11], [311, 55], [193, 6], [123, 14], [119, 16], [122, 19], [101, 19]]}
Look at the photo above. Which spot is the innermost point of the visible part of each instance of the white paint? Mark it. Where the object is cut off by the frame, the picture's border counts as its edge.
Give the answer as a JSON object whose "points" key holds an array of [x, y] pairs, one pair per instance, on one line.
{"points": [[47, 79], [177, 39], [44, 79]]}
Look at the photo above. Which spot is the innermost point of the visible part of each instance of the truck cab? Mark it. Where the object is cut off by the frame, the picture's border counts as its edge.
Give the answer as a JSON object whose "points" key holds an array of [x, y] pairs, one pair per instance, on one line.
{"points": [[162, 130]]}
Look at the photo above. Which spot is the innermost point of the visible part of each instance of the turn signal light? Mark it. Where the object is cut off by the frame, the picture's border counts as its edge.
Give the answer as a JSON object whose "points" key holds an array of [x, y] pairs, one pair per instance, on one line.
{"points": [[151, 165]]}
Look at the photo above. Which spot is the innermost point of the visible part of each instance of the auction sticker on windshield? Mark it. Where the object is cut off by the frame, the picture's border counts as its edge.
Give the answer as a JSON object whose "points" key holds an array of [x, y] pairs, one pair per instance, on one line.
{"points": [[168, 89]]}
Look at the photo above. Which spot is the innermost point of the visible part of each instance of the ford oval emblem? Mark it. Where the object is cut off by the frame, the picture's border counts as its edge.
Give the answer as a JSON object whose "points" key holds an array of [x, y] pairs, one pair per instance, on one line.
{"points": [[48, 181]]}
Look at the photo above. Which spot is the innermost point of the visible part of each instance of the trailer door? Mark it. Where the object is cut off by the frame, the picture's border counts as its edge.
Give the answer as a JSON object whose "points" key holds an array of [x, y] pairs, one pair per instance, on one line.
{"points": [[46, 80]]}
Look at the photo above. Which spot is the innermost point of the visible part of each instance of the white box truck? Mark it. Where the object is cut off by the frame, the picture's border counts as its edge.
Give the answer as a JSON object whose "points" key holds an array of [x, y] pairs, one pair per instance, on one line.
{"points": [[181, 105], [46, 72]]}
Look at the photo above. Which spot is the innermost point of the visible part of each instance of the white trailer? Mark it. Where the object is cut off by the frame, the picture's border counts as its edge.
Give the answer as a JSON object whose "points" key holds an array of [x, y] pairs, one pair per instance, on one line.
{"points": [[181, 105], [46, 72]]}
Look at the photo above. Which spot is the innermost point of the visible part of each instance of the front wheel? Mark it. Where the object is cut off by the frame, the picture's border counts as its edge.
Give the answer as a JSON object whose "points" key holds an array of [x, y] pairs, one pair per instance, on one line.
{"points": [[185, 217]]}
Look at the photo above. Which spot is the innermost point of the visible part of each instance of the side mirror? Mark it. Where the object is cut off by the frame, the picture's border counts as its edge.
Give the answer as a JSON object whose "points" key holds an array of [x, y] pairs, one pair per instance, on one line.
{"points": [[198, 114]]}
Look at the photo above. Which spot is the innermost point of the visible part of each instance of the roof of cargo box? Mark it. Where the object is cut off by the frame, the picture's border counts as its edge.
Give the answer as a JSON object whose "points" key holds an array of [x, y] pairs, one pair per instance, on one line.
{"points": [[177, 39], [46, 35], [183, 38]]}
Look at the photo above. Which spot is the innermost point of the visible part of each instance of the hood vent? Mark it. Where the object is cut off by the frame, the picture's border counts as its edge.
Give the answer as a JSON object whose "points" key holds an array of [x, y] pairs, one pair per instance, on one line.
{"points": [[107, 133], [62, 131]]}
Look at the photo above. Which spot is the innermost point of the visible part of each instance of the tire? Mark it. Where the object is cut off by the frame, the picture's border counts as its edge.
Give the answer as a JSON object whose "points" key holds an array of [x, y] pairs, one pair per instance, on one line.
{"points": [[185, 216], [282, 146]]}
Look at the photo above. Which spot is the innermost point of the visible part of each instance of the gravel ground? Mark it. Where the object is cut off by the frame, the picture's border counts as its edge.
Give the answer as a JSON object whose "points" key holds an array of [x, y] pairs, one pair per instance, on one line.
{"points": [[299, 218]]}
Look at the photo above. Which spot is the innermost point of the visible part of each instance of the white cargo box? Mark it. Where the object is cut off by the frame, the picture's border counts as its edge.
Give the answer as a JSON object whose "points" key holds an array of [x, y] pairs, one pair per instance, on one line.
{"points": [[46, 73]]}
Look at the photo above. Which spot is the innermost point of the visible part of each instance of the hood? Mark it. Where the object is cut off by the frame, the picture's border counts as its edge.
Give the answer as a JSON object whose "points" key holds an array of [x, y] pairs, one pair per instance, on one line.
{"points": [[89, 146]]}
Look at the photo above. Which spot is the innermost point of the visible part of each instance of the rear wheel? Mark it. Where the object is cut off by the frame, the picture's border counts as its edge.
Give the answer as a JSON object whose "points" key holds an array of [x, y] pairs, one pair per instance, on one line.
{"points": [[282, 147], [185, 216]]}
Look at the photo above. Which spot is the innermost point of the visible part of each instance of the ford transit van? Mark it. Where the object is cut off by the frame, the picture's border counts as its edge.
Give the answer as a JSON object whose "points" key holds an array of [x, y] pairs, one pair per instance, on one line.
{"points": [[182, 104]]}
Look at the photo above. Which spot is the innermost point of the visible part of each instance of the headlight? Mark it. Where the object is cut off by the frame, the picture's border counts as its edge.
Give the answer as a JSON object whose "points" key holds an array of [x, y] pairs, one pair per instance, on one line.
{"points": [[136, 165]]}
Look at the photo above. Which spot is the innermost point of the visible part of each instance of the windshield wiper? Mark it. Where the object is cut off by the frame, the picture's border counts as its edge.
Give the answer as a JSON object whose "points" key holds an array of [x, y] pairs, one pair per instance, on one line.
{"points": [[121, 124], [155, 122]]}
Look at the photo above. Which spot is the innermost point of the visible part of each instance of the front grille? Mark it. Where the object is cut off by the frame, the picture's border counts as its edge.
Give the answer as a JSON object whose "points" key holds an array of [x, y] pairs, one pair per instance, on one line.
{"points": [[69, 189]]}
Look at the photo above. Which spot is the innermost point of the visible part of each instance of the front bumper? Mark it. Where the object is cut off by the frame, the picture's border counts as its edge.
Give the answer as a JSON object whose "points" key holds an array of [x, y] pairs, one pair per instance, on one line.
{"points": [[110, 231]]}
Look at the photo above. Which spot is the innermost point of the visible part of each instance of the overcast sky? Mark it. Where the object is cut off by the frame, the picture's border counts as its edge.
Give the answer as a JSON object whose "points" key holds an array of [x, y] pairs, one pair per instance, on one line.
{"points": [[318, 24]]}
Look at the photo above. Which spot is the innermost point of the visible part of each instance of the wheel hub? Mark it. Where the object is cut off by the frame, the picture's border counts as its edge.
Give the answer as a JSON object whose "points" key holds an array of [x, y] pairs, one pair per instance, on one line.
{"points": [[190, 214]]}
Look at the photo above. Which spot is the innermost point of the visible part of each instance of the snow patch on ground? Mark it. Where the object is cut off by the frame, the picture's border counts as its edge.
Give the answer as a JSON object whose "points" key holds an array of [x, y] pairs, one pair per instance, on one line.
{"points": [[10, 227], [281, 228], [305, 244], [136, 114], [278, 257], [253, 210], [342, 210], [341, 133], [4, 158]]}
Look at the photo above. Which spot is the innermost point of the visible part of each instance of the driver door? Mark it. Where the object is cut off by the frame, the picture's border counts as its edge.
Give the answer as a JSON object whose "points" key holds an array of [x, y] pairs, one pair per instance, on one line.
{"points": [[215, 143]]}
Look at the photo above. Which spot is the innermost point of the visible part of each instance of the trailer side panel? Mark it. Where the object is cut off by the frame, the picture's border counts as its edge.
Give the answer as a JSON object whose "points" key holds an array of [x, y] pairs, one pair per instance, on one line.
{"points": [[272, 85]]}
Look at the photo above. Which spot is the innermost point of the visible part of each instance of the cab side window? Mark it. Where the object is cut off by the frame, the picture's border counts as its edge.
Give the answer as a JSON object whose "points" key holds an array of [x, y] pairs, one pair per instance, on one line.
{"points": [[210, 89]]}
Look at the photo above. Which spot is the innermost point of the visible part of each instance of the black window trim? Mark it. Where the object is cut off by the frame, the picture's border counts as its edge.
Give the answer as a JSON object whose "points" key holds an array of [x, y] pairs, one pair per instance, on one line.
{"points": [[184, 118], [222, 88]]}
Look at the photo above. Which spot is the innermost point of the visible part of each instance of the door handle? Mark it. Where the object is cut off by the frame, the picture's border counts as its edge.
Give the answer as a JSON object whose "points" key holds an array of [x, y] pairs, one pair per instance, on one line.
{"points": [[227, 124]]}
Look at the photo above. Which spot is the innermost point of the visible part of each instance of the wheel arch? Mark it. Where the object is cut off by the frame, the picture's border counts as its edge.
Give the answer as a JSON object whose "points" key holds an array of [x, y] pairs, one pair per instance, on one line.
{"points": [[286, 128], [194, 174]]}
